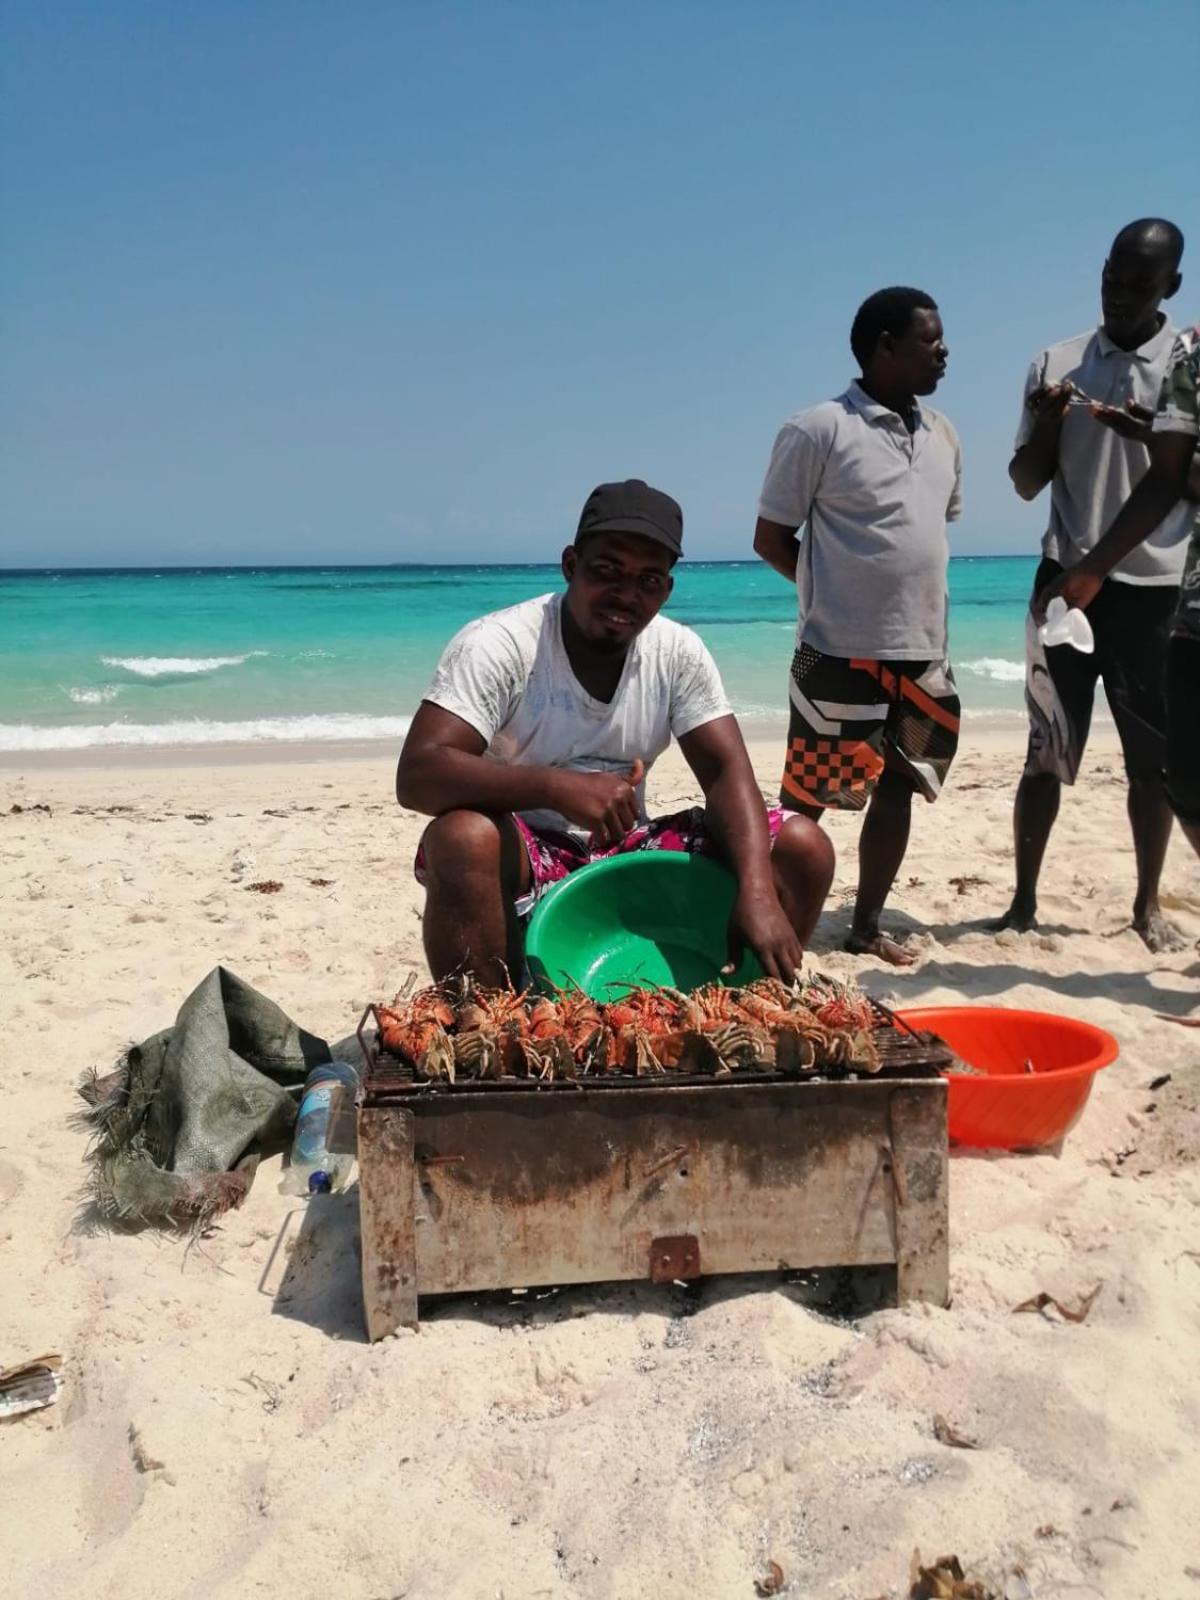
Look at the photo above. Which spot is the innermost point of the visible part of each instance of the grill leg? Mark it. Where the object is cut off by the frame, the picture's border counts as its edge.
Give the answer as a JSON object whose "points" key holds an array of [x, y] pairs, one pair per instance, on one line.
{"points": [[921, 1174], [387, 1193]]}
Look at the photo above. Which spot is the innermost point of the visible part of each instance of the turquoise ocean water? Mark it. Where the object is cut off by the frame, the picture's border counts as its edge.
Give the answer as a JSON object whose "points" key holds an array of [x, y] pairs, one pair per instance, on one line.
{"points": [[204, 656]]}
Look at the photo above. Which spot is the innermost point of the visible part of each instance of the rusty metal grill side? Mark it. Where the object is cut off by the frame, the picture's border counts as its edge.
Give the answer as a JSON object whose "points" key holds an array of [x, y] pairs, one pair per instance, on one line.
{"points": [[665, 1181]]}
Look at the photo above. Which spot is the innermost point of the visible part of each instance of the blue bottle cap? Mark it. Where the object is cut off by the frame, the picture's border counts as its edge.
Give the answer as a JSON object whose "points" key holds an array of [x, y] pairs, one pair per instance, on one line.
{"points": [[319, 1183]]}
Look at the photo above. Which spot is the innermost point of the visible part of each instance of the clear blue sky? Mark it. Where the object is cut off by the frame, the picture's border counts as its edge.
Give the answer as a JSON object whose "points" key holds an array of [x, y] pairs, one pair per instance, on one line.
{"points": [[313, 282]]}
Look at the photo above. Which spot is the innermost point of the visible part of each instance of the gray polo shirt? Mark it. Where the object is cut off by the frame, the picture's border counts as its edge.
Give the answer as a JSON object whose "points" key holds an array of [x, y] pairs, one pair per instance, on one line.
{"points": [[1097, 469], [874, 501]]}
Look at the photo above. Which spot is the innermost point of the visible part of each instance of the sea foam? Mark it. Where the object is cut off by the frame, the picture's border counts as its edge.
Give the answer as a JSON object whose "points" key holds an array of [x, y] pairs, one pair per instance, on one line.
{"points": [[94, 697], [997, 667], [345, 726], [164, 666]]}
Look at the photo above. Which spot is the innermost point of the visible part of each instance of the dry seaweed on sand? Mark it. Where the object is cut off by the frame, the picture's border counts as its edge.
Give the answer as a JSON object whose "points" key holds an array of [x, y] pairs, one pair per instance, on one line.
{"points": [[944, 1433], [945, 1580], [1078, 1313]]}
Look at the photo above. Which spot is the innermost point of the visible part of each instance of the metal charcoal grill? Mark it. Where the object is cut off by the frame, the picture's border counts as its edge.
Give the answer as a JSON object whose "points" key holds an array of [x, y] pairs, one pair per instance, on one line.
{"points": [[483, 1185]]}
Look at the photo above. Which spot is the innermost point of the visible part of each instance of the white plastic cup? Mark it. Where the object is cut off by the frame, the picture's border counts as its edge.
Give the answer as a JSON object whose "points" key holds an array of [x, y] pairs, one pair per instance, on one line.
{"points": [[1065, 625]]}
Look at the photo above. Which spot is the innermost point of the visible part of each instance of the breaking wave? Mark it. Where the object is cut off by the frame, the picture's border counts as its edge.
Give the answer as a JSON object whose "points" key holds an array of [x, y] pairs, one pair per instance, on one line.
{"points": [[339, 726], [164, 666], [999, 668]]}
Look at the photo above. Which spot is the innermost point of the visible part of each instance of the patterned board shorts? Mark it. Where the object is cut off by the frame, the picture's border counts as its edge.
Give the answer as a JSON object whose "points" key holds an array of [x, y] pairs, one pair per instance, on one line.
{"points": [[554, 855], [850, 718]]}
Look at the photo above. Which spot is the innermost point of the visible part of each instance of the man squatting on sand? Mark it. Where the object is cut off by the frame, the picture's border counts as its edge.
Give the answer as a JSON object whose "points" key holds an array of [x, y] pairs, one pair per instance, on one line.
{"points": [[873, 477], [1092, 456], [531, 747]]}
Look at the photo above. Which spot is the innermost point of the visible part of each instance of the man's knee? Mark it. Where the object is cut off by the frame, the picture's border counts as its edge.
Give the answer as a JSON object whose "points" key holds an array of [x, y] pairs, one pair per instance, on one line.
{"points": [[1046, 782], [462, 844], [804, 852]]}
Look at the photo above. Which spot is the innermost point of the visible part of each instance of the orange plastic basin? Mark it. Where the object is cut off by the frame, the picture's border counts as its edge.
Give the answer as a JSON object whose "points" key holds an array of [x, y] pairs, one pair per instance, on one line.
{"points": [[1013, 1108]]}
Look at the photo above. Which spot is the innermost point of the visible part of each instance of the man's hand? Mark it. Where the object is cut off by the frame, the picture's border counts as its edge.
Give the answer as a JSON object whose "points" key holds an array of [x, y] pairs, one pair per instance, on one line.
{"points": [[1035, 462], [604, 802], [1078, 586], [1049, 401], [1131, 422], [758, 920]]}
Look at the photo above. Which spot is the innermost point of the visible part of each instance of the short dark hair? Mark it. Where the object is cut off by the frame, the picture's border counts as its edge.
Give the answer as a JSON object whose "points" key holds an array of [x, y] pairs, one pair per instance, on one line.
{"points": [[1154, 234], [886, 311]]}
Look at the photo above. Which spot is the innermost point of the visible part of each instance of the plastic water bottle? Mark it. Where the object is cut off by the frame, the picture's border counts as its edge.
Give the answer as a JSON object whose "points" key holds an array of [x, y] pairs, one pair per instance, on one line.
{"points": [[314, 1167]]}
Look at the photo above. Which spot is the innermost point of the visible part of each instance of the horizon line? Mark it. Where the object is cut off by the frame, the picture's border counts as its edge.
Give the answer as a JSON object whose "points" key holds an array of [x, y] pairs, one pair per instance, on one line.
{"points": [[388, 566]]}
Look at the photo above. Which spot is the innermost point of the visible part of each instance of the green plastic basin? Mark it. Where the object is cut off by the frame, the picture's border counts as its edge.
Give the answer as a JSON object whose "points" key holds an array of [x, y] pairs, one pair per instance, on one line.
{"points": [[657, 917]]}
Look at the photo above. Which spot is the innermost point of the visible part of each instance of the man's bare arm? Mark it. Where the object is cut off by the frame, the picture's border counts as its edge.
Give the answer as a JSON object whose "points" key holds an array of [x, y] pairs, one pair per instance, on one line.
{"points": [[1168, 480], [717, 756], [1036, 462], [778, 546], [442, 768]]}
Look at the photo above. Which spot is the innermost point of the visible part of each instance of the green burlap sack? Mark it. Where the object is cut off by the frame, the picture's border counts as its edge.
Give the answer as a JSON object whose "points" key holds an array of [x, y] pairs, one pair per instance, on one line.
{"points": [[180, 1123]]}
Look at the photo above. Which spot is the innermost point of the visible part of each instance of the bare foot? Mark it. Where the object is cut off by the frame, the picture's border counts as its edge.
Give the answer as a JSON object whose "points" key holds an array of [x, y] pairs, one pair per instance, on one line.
{"points": [[1021, 918], [878, 944], [1158, 935]]}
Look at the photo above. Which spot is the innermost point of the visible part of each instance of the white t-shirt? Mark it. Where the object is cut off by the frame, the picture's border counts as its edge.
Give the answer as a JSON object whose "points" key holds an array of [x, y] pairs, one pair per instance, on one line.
{"points": [[508, 675]]}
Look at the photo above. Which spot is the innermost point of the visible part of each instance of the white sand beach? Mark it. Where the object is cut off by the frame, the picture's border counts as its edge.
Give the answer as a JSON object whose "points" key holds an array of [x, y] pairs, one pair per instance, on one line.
{"points": [[225, 1430]]}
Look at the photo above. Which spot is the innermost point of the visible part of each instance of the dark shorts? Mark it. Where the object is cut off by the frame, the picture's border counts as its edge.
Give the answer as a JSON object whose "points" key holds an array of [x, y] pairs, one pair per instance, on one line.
{"points": [[1183, 727], [1131, 624], [851, 717], [554, 855]]}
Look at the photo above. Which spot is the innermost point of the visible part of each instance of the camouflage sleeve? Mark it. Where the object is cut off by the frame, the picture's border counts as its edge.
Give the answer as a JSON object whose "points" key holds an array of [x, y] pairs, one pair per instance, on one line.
{"points": [[1178, 408]]}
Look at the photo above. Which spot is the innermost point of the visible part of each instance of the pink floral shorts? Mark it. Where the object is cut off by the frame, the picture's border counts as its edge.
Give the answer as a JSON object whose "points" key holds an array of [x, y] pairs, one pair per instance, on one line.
{"points": [[553, 855]]}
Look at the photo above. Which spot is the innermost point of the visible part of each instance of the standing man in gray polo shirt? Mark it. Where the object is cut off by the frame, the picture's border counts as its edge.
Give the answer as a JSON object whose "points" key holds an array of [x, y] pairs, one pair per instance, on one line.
{"points": [[1085, 430], [872, 477]]}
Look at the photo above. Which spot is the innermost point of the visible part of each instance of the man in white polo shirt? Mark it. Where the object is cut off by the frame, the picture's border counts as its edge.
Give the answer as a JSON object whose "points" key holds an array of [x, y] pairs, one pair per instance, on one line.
{"points": [[1085, 428], [873, 477]]}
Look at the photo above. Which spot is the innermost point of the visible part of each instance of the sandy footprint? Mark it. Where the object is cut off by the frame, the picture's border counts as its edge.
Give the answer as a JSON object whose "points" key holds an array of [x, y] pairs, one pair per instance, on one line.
{"points": [[12, 1181]]}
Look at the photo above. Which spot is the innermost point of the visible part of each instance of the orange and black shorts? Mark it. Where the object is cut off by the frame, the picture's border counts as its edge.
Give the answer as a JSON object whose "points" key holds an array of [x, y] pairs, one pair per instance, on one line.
{"points": [[850, 718]]}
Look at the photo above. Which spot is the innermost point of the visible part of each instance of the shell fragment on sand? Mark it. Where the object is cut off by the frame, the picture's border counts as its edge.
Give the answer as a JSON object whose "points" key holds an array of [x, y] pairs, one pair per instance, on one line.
{"points": [[31, 1386]]}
